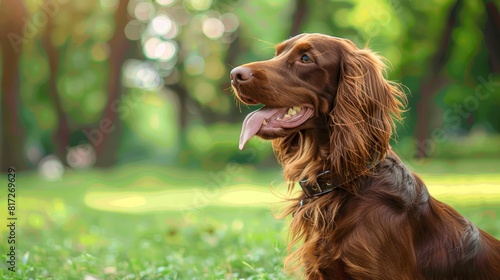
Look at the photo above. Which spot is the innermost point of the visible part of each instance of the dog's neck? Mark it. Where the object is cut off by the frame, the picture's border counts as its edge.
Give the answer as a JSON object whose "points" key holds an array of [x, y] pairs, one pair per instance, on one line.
{"points": [[303, 155], [306, 154]]}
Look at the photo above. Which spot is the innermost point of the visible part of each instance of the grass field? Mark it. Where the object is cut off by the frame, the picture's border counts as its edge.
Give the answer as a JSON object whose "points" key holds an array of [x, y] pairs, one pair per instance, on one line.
{"points": [[150, 222]]}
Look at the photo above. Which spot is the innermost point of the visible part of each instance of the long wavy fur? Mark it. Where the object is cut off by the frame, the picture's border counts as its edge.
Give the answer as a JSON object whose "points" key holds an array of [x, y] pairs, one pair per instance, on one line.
{"points": [[356, 133], [380, 223]]}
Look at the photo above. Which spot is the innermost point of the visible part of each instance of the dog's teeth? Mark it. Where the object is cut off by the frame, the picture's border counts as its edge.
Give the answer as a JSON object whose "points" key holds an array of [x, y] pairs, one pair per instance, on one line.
{"points": [[297, 109], [265, 122], [291, 112], [278, 119], [286, 116]]}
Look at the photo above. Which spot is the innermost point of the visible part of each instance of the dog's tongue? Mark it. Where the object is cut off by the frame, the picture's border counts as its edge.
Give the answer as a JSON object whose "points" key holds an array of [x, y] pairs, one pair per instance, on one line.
{"points": [[275, 119], [253, 122]]}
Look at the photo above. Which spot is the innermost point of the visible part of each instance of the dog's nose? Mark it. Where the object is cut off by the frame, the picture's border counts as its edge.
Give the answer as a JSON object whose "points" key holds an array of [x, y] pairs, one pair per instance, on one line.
{"points": [[240, 74]]}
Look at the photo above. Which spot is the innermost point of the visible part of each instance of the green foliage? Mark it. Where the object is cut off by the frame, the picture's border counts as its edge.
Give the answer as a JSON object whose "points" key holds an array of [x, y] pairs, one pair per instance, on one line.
{"points": [[192, 45], [151, 115], [216, 145], [264, 24]]}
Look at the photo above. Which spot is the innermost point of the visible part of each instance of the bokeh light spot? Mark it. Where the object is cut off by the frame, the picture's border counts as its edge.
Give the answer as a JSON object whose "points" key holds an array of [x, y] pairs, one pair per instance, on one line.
{"points": [[51, 168], [200, 5], [100, 51], [134, 30], [154, 121], [94, 102], [161, 24], [81, 156], [165, 2], [205, 92], [139, 74], [34, 154], [36, 221], [230, 22], [108, 5], [128, 202], [144, 11], [100, 29], [214, 69], [173, 32], [213, 28], [166, 50], [149, 77], [154, 48], [195, 65], [150, 47]]}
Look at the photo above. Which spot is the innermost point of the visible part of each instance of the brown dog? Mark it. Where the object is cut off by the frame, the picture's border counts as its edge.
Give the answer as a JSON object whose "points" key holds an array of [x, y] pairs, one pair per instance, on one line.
{"points": [[362, 214]]}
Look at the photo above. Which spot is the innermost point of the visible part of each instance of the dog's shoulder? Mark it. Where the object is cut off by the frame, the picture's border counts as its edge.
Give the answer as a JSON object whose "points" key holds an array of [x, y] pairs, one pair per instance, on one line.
{"points": [[393, 181]]}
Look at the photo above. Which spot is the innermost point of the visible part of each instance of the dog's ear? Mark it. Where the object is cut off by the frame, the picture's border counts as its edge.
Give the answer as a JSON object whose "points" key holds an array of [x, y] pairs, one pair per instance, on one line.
{"points": [[362, 118]]}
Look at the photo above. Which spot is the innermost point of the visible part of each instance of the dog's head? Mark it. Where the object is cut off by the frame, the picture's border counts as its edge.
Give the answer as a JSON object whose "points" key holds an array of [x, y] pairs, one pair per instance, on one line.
{"points": [[318, 86]]}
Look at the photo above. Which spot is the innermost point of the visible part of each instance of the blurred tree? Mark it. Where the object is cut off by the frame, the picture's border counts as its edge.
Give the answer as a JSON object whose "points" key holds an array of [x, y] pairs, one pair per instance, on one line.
{"points": [[173, 58], [453, 101], [299, 16], [13, 32], [492, 40], [492, 35], [110, 124], [434, 80], [61, 135]]}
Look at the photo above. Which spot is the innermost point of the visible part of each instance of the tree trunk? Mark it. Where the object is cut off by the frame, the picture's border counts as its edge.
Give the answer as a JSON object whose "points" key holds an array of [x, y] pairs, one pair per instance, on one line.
{"points": [[60, 137], [183, 96], [12, 129], [299, 17], [109, 128], [433, 82], [492, 36]]}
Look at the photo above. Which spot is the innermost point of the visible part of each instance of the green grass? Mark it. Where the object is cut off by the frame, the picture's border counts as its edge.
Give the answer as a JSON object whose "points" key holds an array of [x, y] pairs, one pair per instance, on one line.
{"points": [[210, 244], [150, 222]]}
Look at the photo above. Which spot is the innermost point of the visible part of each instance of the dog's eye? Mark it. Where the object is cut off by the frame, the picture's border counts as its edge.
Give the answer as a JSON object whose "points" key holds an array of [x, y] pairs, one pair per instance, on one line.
{"points": [[305, 59]]}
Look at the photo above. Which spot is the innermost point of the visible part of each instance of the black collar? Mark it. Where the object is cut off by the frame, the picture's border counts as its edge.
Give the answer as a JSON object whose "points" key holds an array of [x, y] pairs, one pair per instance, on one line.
{"points": [[320, 187], [323, 185]]}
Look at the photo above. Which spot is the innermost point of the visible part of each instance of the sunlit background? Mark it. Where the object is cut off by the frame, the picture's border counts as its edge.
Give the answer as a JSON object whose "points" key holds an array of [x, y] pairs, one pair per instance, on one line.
{"points": [[120, 122]]}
